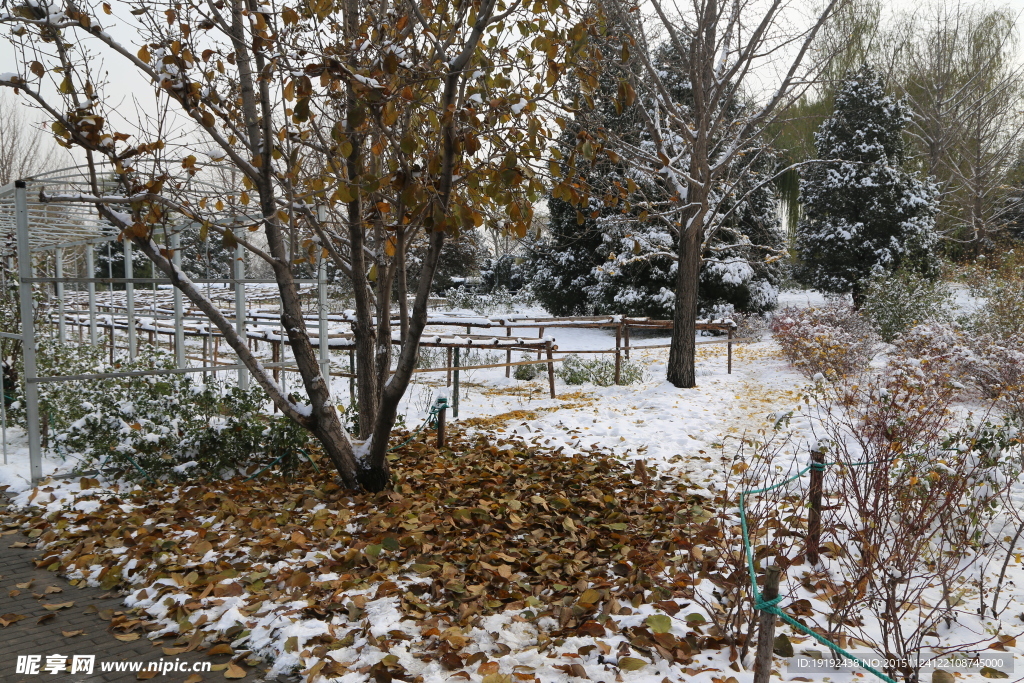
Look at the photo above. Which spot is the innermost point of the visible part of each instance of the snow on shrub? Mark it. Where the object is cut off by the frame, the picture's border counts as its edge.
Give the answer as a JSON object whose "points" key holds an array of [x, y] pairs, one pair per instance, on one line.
{"points": [[832, 340], [171, 427], [1000, 290], [896, 302], [939, 349], [997, 367], [176, 428], [528, 372], [500, 300], [577, 370]]}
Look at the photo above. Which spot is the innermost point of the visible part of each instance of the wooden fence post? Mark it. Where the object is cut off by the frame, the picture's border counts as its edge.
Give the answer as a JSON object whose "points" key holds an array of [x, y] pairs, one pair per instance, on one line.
{"points": [[440, 426], [618, 354], [625, 331], [766, 628], [814, 514], [730, 350], [449, 366], [455, 387], [206, 354], [351, 376], [551, 369], [275, 356], [508, 354]]}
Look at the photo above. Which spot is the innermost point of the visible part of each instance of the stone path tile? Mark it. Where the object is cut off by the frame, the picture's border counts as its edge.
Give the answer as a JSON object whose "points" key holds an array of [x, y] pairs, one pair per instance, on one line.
{"points": [[29, 637]]}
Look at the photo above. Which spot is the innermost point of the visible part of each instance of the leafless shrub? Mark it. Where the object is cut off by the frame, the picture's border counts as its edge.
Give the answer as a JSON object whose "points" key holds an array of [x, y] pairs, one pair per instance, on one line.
{"points": [[711, 565], [997, 367], [915, 505], [832, 340]]}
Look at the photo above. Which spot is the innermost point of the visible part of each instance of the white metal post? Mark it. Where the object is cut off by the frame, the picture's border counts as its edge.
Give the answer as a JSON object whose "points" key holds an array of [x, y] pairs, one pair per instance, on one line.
{"points": [[325, 342], [179, 313], [28, 333], [62, 335], [3, 390], [129, 296], [90, 268], [240, 310]]}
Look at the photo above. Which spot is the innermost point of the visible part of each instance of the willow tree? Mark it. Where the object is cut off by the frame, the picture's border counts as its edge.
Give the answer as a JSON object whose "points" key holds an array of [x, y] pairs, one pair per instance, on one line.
{"points": [[348, 129]]}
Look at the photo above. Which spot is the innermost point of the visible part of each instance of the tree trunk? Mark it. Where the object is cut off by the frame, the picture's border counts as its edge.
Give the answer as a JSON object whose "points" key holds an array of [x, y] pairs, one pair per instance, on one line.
{"points": [[681, 357], [362, 329], [402, 286]]}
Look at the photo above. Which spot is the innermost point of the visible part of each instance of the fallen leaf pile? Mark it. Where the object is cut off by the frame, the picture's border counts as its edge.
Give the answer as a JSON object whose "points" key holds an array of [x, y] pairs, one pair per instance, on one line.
{"points": [[487, 531]]}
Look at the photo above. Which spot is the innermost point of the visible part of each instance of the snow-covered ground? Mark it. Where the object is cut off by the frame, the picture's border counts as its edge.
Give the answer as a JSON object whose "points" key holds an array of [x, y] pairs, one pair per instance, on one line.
{"points": [[693, 432]]}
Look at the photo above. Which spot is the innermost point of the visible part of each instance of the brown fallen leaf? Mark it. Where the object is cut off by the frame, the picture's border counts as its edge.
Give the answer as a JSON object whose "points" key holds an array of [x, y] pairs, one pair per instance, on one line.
{"points": [[14, 593], [53, 589], [227, 590], [234, 671], [171, 651], [53, 607], [144, 675], [194, 678], [8, 619], [221, 649], [46, 617], [20, 544], [126, 637], [497, 678], [72, 634], [25, 586]]}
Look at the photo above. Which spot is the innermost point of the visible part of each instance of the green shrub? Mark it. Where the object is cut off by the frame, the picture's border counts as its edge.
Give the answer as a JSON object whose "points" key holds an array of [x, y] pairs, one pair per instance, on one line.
{"points": [[173, 427], [156, 427], [577, 370], [896, 302], [528, 372]]}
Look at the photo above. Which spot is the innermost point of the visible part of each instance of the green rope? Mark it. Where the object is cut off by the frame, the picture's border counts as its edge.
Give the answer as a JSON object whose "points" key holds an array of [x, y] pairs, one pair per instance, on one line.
{"points": [[278, 459], [302, 451], [274, 462], [139, 468], [439, 405], [771, 606]]}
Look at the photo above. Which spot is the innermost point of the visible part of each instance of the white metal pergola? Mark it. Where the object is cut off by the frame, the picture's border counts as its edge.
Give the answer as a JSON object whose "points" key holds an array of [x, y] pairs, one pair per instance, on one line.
{"points": [[30, 226]]}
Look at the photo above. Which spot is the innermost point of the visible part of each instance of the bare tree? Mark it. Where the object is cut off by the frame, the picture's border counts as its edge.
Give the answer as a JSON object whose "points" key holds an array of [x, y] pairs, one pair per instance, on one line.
{"points": [[25, 148], [965, 83], [693, 145]]}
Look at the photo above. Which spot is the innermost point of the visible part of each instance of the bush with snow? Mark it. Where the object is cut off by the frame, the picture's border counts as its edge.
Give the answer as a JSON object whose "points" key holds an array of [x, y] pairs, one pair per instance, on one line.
{"points": [[176, 428], [996, 365], [578, 370], [832, 340], [999, 287], [173, 427], [896, 302]]}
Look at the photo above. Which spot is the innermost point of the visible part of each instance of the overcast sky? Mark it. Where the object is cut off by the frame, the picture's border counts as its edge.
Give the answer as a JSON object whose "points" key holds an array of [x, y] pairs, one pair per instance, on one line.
{"points": [[128, 92]]}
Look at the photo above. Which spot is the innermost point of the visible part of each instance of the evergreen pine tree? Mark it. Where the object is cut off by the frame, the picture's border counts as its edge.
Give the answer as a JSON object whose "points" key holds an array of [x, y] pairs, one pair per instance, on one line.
{"points": [[599, 259], [863, 214]]}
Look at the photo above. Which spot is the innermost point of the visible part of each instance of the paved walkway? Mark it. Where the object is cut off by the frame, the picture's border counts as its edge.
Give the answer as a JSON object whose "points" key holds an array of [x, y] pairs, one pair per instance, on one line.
{"points": [[30, 637]]}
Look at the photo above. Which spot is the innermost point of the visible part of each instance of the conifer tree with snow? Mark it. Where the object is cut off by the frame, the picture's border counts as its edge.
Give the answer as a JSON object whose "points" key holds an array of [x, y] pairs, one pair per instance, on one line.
{"points": [[617, 254], [864, 215]]}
